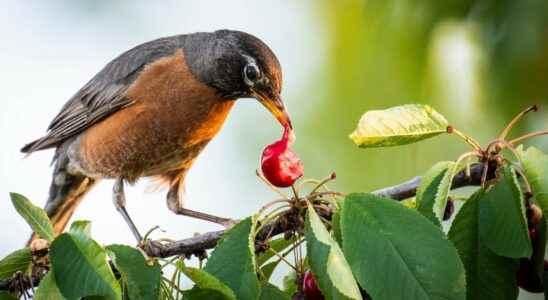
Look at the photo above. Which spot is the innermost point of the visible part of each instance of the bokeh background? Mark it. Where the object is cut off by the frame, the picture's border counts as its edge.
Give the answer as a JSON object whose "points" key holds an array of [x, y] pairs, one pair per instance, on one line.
{"points": [[477, 62]]}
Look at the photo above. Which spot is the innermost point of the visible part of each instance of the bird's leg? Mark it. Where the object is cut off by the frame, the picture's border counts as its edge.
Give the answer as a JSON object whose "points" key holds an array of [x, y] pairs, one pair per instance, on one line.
{"points": [[119, 199], [175, 204]]}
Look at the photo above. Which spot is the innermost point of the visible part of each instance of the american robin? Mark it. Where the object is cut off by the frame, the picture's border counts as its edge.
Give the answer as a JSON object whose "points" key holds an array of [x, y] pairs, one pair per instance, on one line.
{"points": [[150, 112]]}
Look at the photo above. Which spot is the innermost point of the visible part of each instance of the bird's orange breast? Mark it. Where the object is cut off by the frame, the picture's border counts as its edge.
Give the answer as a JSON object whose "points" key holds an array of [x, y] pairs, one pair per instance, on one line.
{"points": [[172, 118]]}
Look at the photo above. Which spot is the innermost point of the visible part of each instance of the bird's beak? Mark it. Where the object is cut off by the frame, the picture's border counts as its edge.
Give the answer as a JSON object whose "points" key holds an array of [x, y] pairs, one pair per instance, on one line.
{"points": [[276, 107]]}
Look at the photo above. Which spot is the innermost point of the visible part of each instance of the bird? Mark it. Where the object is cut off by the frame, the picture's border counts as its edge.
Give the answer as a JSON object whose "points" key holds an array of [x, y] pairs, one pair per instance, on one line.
{"points": [[150, 112]]}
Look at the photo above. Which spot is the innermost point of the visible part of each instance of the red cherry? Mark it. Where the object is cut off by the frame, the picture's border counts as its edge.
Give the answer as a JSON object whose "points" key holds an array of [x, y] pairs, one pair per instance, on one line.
{"points": [[310, 288], [280, 165]]}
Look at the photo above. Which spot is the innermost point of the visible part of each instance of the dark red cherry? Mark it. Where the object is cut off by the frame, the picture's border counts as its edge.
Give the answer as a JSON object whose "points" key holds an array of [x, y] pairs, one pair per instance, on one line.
{"points": [[310, 288]]}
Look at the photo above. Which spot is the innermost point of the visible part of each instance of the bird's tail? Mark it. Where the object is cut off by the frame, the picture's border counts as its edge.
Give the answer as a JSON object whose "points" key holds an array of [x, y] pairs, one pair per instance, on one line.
{"points": [[65, 194]]}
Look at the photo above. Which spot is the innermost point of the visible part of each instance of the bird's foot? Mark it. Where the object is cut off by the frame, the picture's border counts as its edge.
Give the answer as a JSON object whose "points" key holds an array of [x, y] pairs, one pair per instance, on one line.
{"points": [[152, 248]]}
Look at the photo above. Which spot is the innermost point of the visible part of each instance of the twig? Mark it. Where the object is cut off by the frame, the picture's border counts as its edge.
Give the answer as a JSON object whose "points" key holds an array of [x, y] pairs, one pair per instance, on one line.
{"points": [[200, 243], [399, 192]]}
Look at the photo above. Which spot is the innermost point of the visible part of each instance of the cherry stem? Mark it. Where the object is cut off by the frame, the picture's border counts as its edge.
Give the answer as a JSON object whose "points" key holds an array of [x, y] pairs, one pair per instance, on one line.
{"points": [[466, 138], [282, 258], [528, 136], [297, 253], [465, 156], [314, 196], [169, 262], [295, 192], [468, 168], [516, 119], [147, 234], [310, 181], [267, 221], [268, 205], [510, 147], [322, 183], [275, 212], [329, 193]]}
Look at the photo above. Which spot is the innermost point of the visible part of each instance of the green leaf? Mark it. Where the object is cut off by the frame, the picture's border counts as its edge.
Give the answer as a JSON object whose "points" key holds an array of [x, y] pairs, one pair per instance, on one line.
{"points": [[142, 278], [289, 283], [202, 294], [440, 201], [206, 281], [272, 292], [20, 260], [535, 167], [7, 296], [268, 269], [434, 190], [278, 245], [433, 184], [233, 261], [81, 227], [398, 125], [48, 290], [389, 245], [81, 268], [327, 261], [488, 276], [35, 216], [336, 221], [502, 215]]}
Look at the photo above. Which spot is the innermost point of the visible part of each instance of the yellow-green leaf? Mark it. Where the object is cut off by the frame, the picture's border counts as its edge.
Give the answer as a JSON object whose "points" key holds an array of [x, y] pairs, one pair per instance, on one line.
{"points": [[48, 289], [535, 167], [233, 261], [504, 227], [434, 190], [19, 260], [396, 253], [327, 261], [141, 277], [398, 125], [206, 281], [488, 276], [81, 267], [35, 216]]}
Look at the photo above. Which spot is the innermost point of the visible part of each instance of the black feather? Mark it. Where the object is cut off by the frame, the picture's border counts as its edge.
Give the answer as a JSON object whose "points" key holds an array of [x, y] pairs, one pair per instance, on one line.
{"points": [[216, 59], [104, 94]]}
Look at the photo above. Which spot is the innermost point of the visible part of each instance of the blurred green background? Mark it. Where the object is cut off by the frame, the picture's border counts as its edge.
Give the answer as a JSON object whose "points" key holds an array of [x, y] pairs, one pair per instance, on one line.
{"points": [[477, 62]]}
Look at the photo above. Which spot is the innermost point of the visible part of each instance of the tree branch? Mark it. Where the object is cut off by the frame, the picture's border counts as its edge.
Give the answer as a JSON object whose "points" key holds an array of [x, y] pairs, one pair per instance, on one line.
{"points": [[197, 245], [398, 192]]}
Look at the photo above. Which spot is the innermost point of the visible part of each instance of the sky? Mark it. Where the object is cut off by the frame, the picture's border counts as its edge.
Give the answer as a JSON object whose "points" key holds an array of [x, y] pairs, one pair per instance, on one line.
{"points": [[50, 50]]}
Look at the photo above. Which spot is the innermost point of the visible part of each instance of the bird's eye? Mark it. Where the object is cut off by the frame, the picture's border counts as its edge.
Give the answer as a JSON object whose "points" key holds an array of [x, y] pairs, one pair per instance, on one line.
{"points": [[251, 74]]}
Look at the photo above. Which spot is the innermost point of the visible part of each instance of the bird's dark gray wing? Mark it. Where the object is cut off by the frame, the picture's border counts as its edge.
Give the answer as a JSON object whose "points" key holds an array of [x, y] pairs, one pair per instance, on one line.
{"points": [[104, 94]]}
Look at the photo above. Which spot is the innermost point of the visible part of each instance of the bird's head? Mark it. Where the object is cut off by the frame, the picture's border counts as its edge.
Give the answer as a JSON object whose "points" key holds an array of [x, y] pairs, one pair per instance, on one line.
{"points": [[239, 65]]}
